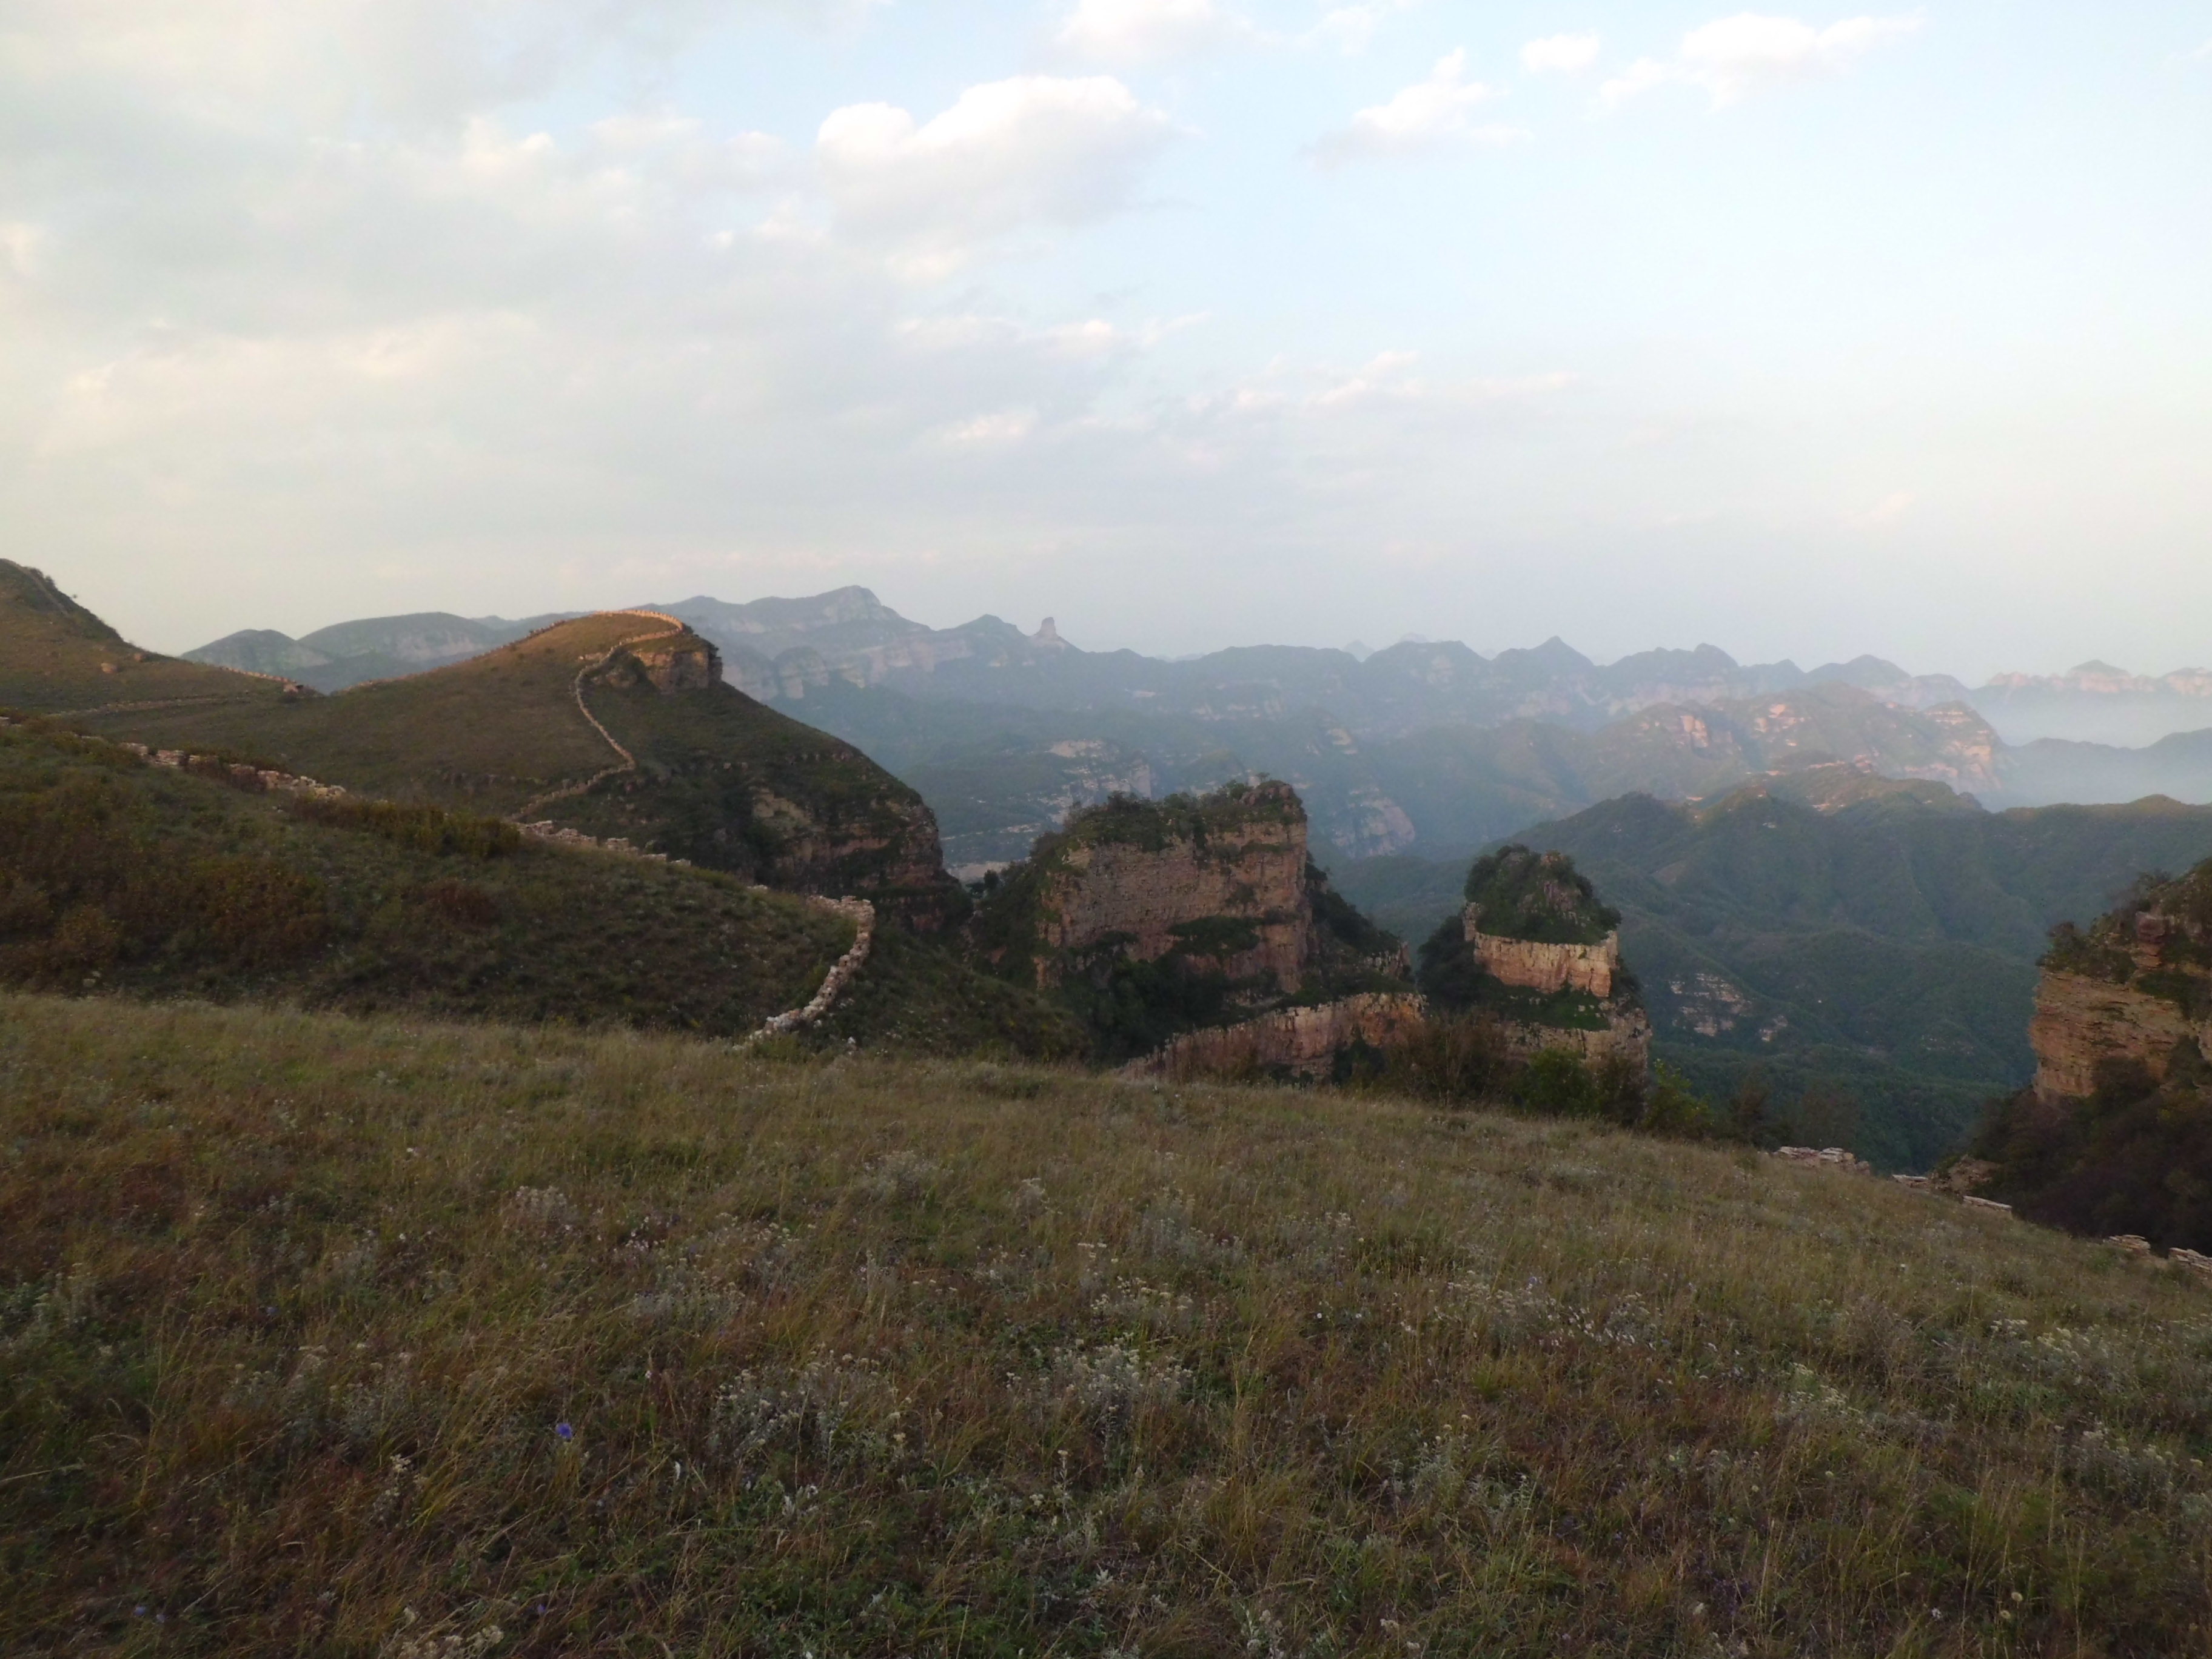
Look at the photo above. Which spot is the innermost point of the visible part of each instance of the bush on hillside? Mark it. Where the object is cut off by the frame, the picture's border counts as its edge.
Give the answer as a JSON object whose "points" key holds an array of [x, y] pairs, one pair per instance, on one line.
{"points": [[422, 829], [93, 883], [2134, 1158]]}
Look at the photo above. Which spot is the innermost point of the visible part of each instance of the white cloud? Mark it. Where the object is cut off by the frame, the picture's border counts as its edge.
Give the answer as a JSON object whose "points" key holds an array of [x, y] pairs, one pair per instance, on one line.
{"points": [[1426, 115], [1889, 512], [1351, 29], [1034, 149], [1560, 54], [409, 60], [1128, 32], [1734, 58]]}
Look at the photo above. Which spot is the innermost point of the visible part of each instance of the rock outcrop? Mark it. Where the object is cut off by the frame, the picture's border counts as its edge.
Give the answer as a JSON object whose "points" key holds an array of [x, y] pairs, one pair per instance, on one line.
{"points": [[2136, 987], [1152, 918], [1228, 884], [1536, 965], [1301, 1042], [2111, 1139], [1535, 950]]}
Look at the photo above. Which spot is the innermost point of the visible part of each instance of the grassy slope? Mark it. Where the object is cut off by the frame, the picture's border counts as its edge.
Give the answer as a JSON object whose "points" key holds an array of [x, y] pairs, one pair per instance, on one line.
{"points": [[495, 733], [52, 649], [580, 937], [1899, 937], [939, 1359], [489, 733]]}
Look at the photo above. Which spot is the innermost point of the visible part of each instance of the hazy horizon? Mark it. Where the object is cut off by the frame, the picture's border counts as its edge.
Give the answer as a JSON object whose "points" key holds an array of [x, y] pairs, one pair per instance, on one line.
{"points": [[1363, 646], [1811, 332]]}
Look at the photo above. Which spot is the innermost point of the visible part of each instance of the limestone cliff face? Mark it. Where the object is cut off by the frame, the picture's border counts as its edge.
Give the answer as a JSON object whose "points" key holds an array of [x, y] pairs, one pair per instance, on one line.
{"points": [[2137, 987], [1139, 897], [1153, 918], [1300, 1041], [1544, 968]]}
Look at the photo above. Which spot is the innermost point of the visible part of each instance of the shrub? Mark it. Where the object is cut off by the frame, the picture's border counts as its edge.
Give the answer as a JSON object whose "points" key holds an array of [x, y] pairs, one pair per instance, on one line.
{"points": [[422, 829], [459, 903], [1557, 1083]]}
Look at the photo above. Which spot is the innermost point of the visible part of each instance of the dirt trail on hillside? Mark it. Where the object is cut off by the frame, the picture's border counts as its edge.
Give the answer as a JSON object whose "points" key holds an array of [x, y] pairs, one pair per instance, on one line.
{"points": [[628, 763]]}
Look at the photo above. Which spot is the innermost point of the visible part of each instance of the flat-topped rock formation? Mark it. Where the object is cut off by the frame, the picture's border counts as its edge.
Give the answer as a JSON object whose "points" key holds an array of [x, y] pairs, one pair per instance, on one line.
{"points": [[1157, 917], [1534, 949]]}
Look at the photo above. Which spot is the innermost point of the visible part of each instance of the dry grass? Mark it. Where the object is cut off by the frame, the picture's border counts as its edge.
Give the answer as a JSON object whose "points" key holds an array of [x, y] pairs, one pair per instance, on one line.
{"points": [[328, 1336]]}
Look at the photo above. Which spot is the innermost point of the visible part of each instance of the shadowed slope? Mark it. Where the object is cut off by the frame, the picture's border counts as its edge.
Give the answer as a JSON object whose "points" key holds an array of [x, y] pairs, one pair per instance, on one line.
{"points": [[55, 655]]}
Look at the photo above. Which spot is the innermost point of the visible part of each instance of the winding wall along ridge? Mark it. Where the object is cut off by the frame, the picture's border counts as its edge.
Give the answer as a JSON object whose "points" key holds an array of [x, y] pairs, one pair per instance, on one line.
{"points": [[591, 666]]}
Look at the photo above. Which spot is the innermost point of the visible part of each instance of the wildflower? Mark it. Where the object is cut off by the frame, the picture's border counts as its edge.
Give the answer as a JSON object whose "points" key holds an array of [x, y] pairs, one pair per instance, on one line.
{"points": [[564, 1430]]}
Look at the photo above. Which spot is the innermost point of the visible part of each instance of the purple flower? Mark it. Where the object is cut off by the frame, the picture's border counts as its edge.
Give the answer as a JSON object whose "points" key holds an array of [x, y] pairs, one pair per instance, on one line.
{"points": [[564, 1430]]}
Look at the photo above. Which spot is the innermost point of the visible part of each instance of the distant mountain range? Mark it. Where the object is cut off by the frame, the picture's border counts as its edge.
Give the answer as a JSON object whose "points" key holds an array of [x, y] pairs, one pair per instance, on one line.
{"points": [[1422, 745], [379, 649]]}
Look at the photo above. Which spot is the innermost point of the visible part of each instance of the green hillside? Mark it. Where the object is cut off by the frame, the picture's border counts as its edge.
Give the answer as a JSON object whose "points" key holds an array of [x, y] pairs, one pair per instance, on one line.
{"points": [[327, 1336], [1884, 948], [119, 876], [55, 655], [719, 780]]}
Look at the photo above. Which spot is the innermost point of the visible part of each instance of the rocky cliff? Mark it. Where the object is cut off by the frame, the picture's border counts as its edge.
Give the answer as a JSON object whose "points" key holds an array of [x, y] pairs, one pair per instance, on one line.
{"points": [[1301, 1042], [1155, 917], [1536, 949], [2135, 989], [2116, 1135]]}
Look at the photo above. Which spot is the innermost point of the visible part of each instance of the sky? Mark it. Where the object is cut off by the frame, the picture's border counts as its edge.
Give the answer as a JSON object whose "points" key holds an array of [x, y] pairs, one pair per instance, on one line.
{"points": [[1190, 323]]}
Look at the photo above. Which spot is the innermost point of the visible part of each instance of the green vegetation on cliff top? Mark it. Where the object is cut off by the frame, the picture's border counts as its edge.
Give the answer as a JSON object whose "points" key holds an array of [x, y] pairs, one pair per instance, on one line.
{"points": [[1517, 893]]}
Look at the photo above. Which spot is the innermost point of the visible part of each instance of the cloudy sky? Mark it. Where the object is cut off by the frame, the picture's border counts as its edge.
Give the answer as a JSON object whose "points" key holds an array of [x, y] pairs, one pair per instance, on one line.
{"points": [[1189, 322]]}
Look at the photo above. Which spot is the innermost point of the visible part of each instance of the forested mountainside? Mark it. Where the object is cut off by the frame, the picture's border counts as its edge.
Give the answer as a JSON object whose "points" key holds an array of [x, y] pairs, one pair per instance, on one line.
{"points": [[1000, 777], [1876, 939], [1422, 746]]}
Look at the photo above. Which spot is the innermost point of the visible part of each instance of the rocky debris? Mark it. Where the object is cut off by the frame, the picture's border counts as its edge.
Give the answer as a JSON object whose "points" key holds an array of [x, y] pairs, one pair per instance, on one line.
{"points": [[862, 915], [2197, 1264], [1974, 1203], [1825, 1157], [2137, 1245], [1966, 1174], [1303, 1041], [238, 775]]}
